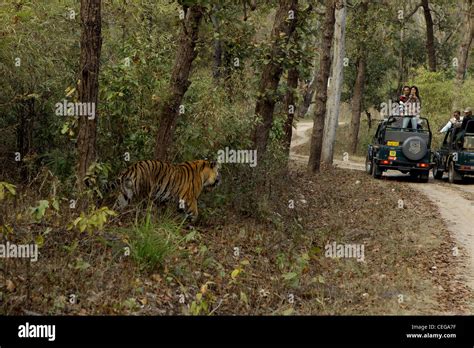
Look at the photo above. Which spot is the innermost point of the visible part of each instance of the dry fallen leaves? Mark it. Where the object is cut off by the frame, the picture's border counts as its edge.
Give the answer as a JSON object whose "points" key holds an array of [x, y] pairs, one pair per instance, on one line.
{"points": [[10, 285]]}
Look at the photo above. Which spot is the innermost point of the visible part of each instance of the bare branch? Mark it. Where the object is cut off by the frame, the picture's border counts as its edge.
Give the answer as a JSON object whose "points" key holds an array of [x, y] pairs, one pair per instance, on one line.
{"points": [[413, 12]]}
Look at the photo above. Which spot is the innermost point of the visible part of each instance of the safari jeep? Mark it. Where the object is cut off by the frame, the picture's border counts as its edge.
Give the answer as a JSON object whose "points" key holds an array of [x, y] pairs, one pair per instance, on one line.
{"points": [[456, 155], [397, 148]]}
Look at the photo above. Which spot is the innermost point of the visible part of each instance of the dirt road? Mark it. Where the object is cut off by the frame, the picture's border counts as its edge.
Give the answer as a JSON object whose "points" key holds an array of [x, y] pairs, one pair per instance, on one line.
{"points": [[455, 202], [456, 206]]}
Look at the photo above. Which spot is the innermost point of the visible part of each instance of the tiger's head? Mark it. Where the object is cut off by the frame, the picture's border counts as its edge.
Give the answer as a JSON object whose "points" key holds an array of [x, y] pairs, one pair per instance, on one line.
{"points": [[210, 173]]}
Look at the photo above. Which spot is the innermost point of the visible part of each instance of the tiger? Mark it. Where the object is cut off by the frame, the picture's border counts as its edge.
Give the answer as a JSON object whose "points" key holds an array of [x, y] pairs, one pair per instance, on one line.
{"points": [[160, 181]]}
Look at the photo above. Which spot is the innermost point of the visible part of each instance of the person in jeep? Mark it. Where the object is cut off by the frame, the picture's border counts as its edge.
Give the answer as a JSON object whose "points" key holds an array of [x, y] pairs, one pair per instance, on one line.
{"points": [[412, 109], [404, 96], [455, 122], [402, 100], [465, 120]]}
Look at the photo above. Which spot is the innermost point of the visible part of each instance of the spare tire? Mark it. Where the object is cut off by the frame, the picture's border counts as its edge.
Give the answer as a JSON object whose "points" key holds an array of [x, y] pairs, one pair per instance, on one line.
{"points": [[414, 148]]}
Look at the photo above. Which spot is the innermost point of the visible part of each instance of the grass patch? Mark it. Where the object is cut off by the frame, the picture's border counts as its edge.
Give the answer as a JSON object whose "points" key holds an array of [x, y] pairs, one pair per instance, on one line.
{"points": [[152, 241]]}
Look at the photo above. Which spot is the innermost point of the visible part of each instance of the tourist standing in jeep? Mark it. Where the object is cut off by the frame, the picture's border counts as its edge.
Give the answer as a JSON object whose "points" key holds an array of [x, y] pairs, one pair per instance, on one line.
{"points": [[402, 100], [412, 109]]}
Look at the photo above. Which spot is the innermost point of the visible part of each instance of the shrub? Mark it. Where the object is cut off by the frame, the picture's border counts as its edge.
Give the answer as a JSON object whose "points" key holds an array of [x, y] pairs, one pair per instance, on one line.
{"points": [[151, 242]]}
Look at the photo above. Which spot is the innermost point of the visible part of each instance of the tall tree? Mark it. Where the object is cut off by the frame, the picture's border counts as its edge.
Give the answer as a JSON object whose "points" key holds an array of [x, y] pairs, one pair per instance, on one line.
{"points": [[308, 92], [321, 88], [217, 54], [467, 10], [401, 52], [356, 103], [358, 91], [25, 108], [179, 83], [295, 57], [430, 43], [310, 86], [466, 40], [88, 89], [335, 85], [283, 27]]}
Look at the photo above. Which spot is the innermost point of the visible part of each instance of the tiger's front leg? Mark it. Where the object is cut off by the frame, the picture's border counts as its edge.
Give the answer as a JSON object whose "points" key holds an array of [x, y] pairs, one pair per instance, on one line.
{"points": [[190, 207], [193, 210]]}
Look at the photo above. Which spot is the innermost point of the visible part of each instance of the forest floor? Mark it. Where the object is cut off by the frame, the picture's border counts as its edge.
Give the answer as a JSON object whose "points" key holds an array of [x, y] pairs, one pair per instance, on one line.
{"points": [[238, 262]]}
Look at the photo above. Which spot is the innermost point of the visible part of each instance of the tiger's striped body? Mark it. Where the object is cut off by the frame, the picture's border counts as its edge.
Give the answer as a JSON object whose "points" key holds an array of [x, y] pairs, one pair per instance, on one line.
{"points": [[159, 181]]}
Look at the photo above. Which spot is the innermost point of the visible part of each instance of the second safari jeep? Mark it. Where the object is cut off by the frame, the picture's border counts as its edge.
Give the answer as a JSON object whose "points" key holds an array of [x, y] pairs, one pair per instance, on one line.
{"points": [[456, 155]]}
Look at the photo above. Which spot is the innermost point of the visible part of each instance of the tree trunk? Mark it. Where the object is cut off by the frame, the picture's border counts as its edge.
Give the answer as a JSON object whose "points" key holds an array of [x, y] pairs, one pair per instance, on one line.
{"points": [[335, 86], [401, 60], [369, 119], [292, 82], [401, 64], [217, 55], [91, 43], [359, 84], [357, 103], [179, 82], [466, 41], [430, 45], [283, 28], [464, 47], [24, 133], [321, 88], [309, 91]]}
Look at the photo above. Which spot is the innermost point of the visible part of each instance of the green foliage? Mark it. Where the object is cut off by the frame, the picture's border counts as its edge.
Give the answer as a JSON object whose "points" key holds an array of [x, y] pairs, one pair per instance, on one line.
{"points": [[93, 221], [203, 299], [39, 211], [34, 73], [60, 162], [211, 121], [97, 177], [81, 264], [365, 34], [6, 190], [294, 276]]}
